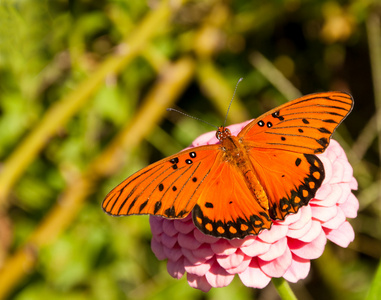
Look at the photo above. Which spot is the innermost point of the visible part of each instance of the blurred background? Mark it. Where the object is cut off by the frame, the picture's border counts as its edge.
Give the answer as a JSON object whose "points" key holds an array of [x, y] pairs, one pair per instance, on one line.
{"points": [[83, 90]]}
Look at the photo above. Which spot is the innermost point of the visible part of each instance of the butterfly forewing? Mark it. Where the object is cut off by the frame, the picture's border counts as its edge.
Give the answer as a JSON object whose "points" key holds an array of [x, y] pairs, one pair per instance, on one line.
{"points": [[168, 188], [304, 125]]}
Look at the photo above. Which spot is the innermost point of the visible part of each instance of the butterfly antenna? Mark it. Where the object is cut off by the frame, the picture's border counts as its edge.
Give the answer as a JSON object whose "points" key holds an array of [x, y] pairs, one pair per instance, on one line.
{"points": [[235, 90], [189, 116]]}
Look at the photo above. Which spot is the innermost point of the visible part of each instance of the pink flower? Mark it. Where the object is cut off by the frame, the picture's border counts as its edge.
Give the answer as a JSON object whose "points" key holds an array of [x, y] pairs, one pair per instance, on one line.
{"points": [[284, 251]]}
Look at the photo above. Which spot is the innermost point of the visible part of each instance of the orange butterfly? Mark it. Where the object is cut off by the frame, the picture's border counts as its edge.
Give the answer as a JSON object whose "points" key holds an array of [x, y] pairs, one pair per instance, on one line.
{"points": [[237, 187]]}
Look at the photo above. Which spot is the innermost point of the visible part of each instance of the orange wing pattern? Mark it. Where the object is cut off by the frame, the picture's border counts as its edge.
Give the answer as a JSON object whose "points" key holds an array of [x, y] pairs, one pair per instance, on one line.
{"points": [[281, 145], [304, 125], [227, 208], [289, 179], [237, 188], [169, 187]]}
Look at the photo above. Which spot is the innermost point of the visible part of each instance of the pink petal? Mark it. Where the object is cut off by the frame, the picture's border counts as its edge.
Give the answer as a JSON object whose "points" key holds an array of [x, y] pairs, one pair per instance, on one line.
{"points": [[342, 171], [278, 266], [334, 150], [157, 249], [223, 247], [203, 238], [310, 250], [184, 226], [156, 224], [218, 277], [313, 233], [198, 282], [323, 213], [353, 184], [276, 250], [253, 276], [204, 251], [350, 207], [322, 193], [274, 234], [299, 269], [188, 241], [192, 258], [168, 241], [346, 191], [348, 171], [290, 219], [238, 243], [230, 261], [241, 267], [176, 268], [336, 192], [297, 233], [234, 263], [256, 248], [335, 222], [304, 218], [199, 270], [341, 236], [173, 253], [327, 168], [169, 228]]}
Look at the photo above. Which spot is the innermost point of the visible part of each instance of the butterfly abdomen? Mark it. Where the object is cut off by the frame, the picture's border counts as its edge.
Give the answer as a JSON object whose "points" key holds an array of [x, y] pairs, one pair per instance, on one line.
{"points": [[235, 153]]}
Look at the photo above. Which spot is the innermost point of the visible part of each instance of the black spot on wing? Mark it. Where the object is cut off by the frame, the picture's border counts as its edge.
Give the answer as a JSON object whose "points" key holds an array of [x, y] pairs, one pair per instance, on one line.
{"points": [[170, 212], [143, 205], [132, 204], [324, 130], [157, 207], [323, 141], [298, 161], [209, 205], [329, 121], [174, 160]]}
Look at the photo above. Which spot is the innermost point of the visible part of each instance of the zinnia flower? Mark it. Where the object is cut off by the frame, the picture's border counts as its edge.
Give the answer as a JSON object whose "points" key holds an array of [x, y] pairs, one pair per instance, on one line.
{"points": [[283, 251]]}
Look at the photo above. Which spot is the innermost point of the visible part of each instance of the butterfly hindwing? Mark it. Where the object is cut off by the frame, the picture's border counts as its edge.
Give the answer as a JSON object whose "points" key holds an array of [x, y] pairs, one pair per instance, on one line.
{"points": [[169, 187], [227, 208], [304, 125], [289, 179]]}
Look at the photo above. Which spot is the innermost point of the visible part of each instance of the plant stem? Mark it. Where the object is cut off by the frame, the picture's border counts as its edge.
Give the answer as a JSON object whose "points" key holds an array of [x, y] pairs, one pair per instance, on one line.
{"points": [[283, 288]]}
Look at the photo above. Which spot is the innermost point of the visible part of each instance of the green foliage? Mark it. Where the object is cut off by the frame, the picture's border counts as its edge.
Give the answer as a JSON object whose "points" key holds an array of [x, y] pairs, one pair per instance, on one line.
{"points": [[49, 48]]}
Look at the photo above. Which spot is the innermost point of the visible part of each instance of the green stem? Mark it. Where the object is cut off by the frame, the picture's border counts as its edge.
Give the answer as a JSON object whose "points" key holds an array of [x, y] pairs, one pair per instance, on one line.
{"points": [[375, 289], [283, 288]]}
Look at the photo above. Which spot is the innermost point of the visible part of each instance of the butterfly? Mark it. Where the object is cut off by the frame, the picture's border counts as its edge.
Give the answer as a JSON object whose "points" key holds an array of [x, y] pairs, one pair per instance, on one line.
{"points": [[239, 186]]}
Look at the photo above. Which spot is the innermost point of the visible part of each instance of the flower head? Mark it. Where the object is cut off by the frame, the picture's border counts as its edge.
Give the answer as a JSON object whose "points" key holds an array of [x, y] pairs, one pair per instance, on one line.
{"points": [[283, 251]]}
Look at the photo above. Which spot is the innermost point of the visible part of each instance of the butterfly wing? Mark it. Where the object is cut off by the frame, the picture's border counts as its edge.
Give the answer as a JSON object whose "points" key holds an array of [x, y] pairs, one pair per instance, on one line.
{"points": [[169, 187], [289, 179], [281, 145], [226, 207], [304, 125]]}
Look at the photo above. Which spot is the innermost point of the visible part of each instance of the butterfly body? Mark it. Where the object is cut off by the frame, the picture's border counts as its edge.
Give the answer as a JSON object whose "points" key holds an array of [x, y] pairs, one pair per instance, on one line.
{"points": [[236, 154], [240, 185]]}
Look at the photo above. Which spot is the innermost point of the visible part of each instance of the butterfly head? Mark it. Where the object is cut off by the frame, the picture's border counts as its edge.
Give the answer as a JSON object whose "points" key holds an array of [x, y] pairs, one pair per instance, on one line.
{"points": [[222, 133]]}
